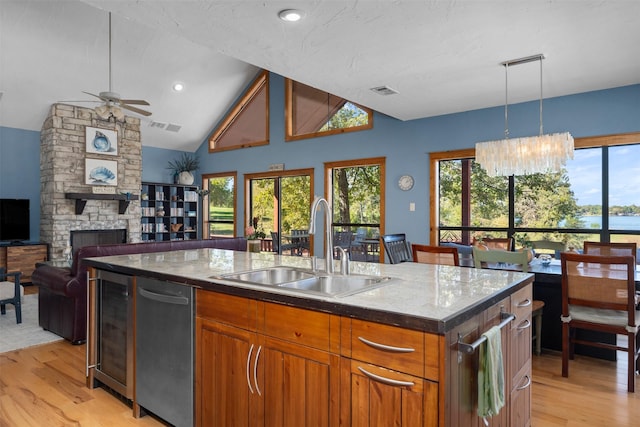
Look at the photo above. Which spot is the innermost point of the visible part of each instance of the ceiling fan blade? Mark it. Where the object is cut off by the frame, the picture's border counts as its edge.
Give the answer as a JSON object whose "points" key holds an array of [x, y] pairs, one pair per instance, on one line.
{"points": [[135, 110], [134, 101], [97, 96]]}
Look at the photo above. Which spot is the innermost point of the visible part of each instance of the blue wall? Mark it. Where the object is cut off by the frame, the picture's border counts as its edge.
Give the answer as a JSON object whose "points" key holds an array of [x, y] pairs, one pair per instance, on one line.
{"points": [[155, 162], [20, 171], [406, 146]]}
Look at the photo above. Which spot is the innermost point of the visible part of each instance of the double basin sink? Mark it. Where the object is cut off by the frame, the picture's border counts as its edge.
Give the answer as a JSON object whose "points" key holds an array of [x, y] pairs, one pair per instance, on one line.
{"points": [[307, 281]]}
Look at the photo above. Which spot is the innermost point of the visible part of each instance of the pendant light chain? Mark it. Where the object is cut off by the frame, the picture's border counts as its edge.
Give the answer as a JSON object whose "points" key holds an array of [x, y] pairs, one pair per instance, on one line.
{"points": [[541, 126]]}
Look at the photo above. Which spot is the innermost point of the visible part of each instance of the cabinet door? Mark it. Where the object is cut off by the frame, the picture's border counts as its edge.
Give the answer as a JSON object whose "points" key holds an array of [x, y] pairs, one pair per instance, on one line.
{"points": [[382, 397], [224, 386], [300, 386]]}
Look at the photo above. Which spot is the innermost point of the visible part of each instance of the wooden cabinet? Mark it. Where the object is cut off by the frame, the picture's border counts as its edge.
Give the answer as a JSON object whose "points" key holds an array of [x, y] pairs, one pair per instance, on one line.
{"points": [[169, 212], [254, 366], [23, 258], [462, 369], [384, 370], [520, 358]]}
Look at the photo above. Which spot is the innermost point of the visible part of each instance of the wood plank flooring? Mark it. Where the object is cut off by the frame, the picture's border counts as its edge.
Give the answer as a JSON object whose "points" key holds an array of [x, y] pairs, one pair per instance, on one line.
{"points": [[44, 386]]}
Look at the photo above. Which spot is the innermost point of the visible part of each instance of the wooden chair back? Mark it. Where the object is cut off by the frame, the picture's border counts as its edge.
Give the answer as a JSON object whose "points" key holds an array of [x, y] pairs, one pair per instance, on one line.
{"points": [[610, 249], [598, 293], [482, 257], [397, 248], [504, 243], [435, 254]]}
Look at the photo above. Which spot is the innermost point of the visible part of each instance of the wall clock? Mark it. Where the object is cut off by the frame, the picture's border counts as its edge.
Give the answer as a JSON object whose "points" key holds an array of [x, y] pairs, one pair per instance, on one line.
{"points": [[405, 183]]}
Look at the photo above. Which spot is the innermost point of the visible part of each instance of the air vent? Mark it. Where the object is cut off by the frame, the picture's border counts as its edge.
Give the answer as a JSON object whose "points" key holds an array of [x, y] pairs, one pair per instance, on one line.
{"points": [[173, 128], [158, 125], [384, 90]]}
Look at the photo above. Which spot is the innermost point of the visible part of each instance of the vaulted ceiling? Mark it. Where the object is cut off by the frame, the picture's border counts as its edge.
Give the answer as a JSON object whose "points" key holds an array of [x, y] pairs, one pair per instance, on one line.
{"points": [[440, 56]]}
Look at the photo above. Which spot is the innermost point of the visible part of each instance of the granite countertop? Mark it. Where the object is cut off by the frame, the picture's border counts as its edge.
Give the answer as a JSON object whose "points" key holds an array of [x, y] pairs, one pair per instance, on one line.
{"points": [[432, 298]]}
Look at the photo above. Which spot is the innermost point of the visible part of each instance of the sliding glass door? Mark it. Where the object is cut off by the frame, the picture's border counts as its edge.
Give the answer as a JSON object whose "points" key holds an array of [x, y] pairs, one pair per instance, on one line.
{"points": [[279, 205]]}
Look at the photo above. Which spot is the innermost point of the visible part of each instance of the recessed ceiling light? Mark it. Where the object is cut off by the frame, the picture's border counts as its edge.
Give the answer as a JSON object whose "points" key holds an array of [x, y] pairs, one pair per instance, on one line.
{"points": [[178, 87], [291, 15]]}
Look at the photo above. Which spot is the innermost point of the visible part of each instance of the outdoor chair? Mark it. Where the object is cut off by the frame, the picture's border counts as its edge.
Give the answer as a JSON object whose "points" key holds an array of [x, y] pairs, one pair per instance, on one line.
{"points": [[11, 293], [598, 294]]}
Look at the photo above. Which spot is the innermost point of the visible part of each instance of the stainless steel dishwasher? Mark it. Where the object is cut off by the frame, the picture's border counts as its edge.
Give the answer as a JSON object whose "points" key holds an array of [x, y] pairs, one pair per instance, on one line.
{"points": [[164, 350]]}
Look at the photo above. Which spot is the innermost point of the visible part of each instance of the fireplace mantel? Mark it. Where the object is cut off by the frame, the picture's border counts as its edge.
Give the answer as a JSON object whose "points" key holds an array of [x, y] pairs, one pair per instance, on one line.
{"points": [[81, 200]]}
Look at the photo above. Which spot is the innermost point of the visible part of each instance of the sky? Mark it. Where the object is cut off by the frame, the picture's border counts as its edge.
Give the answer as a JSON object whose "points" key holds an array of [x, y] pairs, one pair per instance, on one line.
{"points": [[624, 175]]}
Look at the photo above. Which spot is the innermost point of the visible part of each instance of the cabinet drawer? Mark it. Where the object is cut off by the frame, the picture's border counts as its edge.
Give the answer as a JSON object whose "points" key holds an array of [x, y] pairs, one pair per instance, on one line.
{"points": [[224, 308], [394, 348], [520, 344], [297, 325], [521, 302]]}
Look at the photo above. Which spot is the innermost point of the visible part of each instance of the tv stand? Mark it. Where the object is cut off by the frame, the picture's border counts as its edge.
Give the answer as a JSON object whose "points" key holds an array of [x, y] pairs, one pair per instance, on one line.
{"points": [[23, 256]]}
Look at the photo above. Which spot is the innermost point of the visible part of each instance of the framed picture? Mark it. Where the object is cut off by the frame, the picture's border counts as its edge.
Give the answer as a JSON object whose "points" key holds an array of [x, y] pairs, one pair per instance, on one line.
{"points": [[101, 141], [101, 172]]}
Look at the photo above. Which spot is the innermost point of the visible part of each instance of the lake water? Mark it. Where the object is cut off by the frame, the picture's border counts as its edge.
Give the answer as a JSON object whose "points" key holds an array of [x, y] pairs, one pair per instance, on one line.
{"points": [[615, 222]]}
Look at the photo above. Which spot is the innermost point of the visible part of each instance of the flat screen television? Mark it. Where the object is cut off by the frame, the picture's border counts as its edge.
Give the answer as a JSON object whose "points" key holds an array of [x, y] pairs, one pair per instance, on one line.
{"points": [[14, 220]]}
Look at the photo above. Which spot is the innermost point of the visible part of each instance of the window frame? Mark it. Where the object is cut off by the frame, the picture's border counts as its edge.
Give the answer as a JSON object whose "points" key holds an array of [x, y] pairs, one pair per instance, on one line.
{"points": [[206, 234], [599, 141], [289, 119], [260, 82]]}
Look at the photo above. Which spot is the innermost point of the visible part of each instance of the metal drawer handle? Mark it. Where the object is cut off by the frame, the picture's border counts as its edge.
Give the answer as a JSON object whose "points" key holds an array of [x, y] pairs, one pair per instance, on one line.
{"points": [[384, 380], [386, 347], [524, 325], [525, 303], [255, 370], [527, 384], [249, 364]]}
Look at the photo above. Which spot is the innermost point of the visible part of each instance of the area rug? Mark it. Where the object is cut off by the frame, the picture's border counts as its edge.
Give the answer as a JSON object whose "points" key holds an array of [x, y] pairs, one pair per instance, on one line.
{"points": [[14, 336]]}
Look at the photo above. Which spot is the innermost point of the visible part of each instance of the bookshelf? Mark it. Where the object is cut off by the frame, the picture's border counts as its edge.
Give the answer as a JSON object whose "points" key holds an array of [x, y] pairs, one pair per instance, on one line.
{"points": [[169, 212]]}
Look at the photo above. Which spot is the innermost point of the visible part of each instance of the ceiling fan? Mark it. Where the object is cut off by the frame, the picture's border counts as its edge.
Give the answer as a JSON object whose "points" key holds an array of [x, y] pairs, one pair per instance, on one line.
{"points": [[113, 104]]}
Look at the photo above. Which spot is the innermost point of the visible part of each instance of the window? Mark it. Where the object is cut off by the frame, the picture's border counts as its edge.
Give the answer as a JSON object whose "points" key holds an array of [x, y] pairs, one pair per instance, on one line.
{"points": [[219, 205], [566, 207], [312, 113], [357, 199], [247, 125]]}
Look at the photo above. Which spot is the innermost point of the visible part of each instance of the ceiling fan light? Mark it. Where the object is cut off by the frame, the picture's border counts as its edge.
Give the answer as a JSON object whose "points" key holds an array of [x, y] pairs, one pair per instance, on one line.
{"points": [[117, 113], [102, 111]]}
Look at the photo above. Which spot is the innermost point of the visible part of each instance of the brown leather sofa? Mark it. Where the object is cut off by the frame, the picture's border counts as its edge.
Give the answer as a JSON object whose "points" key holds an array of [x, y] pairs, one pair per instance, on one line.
{"points": [[62, 294]]}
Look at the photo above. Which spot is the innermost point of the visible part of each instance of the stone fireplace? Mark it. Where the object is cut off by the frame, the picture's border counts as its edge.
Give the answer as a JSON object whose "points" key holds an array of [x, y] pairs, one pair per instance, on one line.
{"points": [[62, 172]]}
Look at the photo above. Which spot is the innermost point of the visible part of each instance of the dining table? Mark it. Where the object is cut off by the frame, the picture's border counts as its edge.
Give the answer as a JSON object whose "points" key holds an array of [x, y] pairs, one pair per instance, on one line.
{"points": [[547, 287], [297, 242]]}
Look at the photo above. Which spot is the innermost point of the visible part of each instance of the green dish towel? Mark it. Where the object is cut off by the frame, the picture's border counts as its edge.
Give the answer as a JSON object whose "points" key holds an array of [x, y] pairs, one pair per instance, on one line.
{"points": [[490, 375]]}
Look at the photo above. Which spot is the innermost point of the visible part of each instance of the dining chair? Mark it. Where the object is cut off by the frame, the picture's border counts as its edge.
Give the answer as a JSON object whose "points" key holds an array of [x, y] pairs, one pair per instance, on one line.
{"points": [[504, 243], [610, 249], [555, 247], [435, 254], [11, 293], [397, 248], [482, 258], [598, 293]]}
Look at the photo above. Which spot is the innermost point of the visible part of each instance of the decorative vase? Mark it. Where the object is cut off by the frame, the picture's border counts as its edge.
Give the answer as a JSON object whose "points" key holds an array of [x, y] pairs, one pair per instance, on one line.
{"points": [[253, 245], [185, 178]]}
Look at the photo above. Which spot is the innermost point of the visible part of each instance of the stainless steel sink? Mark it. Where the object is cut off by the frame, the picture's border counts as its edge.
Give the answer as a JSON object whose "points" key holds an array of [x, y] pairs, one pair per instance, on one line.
{"points": [[306, 281], [337, 286], [273, 276]]}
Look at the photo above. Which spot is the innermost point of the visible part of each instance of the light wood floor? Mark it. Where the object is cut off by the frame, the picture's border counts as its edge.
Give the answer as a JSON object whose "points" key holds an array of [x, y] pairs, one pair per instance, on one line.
{"points": [[44, 386]]}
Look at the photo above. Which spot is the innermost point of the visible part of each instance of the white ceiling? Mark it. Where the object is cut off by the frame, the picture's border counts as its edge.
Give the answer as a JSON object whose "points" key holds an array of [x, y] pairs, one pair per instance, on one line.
{"points": [[441, 56]]}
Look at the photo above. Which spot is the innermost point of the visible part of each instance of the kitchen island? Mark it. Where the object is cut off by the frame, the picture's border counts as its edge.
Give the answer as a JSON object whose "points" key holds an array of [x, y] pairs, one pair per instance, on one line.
{"points": [[391, 354]]}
